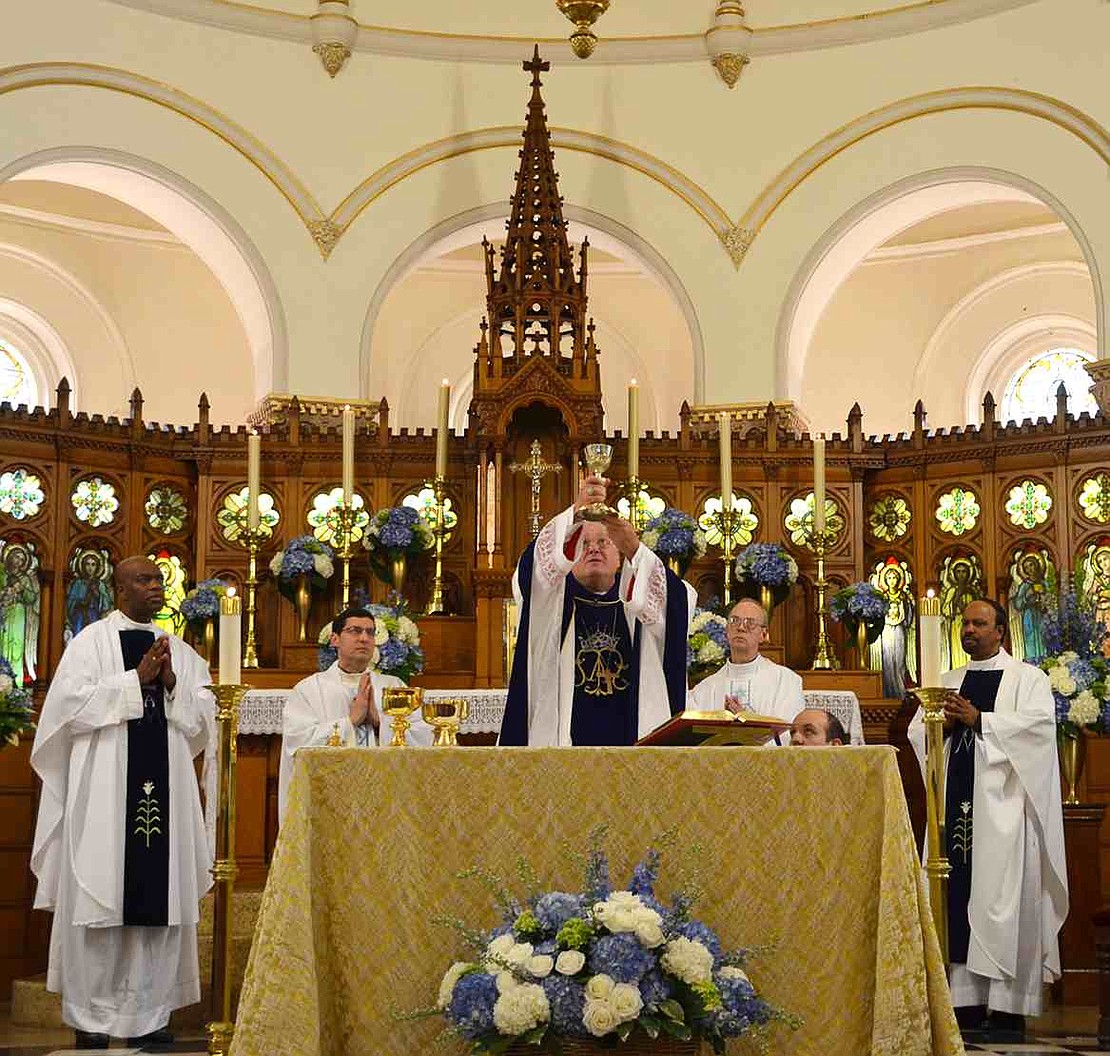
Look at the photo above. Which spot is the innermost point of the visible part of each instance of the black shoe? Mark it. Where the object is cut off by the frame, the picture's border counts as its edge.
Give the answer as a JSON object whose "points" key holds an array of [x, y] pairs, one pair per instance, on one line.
{"points": [[86, 1039], [1005, 1027], [972, 1021], [152, 1041]]}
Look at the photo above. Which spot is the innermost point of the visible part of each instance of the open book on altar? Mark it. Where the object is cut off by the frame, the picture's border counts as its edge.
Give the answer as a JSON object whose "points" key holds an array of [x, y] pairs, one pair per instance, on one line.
{"points": [[715, 727]]}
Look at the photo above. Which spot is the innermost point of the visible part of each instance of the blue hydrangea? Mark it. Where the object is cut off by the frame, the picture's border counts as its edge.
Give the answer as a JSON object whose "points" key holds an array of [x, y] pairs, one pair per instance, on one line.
{"points": [[1073, 625], [567, 998], [859, 601], [393, 655], [619, 956], [740, 1008], [767, 564], [654, 988], [297, 557], [553, 910], [699, 932], [547, 948], [203, 601], [471, 1009]]}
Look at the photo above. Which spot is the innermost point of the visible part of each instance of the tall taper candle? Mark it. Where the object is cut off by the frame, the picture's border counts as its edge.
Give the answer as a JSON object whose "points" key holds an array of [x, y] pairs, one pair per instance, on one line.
{"points": [[819, 483], [724, 427], [254, 477], [231, 646], [441, 428], [931, 636], [634, 430], [348, 454]]}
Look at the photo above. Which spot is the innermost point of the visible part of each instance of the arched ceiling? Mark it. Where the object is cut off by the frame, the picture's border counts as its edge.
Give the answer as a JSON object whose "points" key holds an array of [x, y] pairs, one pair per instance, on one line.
{"points": [[630, 31]]}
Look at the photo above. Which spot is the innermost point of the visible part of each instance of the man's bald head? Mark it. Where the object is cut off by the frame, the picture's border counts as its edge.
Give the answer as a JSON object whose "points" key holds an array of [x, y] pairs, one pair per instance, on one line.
{"points": [[140, 591]]}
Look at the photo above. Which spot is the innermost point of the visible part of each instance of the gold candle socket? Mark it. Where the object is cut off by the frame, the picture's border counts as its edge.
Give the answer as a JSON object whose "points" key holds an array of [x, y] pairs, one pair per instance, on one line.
{"points": [[937, 867], [632, 488], [726, 522], [823, 659], [439, 530], [399, 702], [224, 868], [344, 530], [252, 540], [446, 715]]}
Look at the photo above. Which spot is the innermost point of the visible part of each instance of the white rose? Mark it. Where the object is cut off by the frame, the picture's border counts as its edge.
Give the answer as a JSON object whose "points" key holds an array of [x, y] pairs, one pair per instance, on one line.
{"points": [[6, 685], [570, 962], [599, 1018], [541, 965], [599, 987], [520, 1009], [650, 934], [621, 918], [626, 1001], [730, 971], [501, 945], [643, 914], [520, 954], [688, 960], [447, 987]]}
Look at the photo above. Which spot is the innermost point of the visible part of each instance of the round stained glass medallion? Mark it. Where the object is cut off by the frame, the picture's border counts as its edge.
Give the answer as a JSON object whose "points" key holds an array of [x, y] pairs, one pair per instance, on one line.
{"points": [[324, 520], [166, 509], [1028, 504], [745, 520], [232, 517], [1094, 498], [889, 518], [94, 501], [21, 494], [799, 521], [957, 511], [424, 502]]}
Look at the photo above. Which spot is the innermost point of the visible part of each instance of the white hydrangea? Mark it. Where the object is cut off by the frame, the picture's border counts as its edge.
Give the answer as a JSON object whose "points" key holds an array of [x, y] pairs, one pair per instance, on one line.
{"points": [[650, 538], [710, 653], [322, 564], [6, 685], [519, 955], [1084, 710], [506, 981], [275, 563], [688, 960], [700, 620], [447, 987], [650, 932], [570, 962], [626, 1001], [1068, 657], [599, 1017], [520, 1009], [407, 631], [381, 631]]}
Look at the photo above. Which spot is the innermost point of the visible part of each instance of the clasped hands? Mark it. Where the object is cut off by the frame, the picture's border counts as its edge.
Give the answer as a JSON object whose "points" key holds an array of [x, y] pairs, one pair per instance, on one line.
{"points": [[157, 665], [623, 535], [363, 708]]}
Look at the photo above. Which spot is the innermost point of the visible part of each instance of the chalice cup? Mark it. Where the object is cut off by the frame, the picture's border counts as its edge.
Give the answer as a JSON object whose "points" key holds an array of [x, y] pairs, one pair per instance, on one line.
{"points": [[399, 702], [446, 715], [598, 457]]}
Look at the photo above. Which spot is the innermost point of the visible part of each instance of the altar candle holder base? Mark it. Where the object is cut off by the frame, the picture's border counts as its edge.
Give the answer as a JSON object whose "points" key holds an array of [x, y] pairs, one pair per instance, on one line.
{"points": [[344, 530], [726, 522], [824, 659], [439, 530], [224, 867], [632, 488], [937, 866]]}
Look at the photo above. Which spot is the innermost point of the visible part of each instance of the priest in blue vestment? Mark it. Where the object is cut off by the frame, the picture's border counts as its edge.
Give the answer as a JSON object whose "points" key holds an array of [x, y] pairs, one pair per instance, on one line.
{"points": [[601, 643]]}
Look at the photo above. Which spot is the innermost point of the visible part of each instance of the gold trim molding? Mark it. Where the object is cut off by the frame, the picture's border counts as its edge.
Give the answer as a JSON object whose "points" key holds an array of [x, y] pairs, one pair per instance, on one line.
{"points": [[747, 416]]}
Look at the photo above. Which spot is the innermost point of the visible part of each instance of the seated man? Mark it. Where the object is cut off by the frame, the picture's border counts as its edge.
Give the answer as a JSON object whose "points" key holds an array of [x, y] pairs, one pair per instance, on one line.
{"points": [[815, 727], [749, 681], [601, 650], [344, 698]]}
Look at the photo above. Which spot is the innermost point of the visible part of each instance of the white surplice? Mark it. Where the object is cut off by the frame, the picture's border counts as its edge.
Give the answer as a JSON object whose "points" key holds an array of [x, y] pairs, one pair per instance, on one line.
{"points": [[116, 979], [1019, 881], [643, 588], [320, 703]]}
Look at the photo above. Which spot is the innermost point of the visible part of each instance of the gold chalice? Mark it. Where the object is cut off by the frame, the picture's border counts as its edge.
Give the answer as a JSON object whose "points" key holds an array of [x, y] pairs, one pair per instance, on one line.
{"points": [[446, 714], [598, 457], [399, 702]]}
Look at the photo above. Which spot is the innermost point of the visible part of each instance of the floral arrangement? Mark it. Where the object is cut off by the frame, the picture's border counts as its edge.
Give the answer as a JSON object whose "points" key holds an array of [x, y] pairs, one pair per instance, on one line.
{"points": [[398, 530], [859, 602], [303, 556], [1076, 666], [706, 644], [397, 642], [202, 603], [15, 707], [674, 534], [766, 565], [601, 963]]}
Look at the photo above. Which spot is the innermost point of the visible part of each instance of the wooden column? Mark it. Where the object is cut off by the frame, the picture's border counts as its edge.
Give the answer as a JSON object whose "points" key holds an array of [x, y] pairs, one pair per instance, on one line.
{"points": [[1079, 985]]}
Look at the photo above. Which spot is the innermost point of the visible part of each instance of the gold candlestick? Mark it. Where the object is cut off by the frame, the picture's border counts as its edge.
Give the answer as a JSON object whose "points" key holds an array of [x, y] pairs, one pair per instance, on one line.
{"points": [[937, 867], [439, 530], [725, 521], [345, 517], [251, 538], [823, 659], [224, 868], [632, 493]]}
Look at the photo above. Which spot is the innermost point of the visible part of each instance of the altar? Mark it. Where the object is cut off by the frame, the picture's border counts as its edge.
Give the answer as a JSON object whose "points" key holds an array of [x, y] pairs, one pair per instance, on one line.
{"points": [[809, 851]]}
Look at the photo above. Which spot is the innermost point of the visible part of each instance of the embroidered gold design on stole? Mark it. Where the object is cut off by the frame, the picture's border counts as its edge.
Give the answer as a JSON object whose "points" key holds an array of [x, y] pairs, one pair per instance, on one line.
{"points": [[961, 836], [148, 815], [599, 665]]}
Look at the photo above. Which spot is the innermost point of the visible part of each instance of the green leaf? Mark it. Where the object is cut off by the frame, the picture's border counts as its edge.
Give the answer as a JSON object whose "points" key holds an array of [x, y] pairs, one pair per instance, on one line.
{"points": [[650, 1026], [535, 1035], [676, 1030], [624, 1030], [672, 1010]]}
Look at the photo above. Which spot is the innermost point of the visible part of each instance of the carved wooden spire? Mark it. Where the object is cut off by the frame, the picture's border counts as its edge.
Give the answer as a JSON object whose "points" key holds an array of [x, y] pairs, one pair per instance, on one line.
{"points": [[536, 304]]}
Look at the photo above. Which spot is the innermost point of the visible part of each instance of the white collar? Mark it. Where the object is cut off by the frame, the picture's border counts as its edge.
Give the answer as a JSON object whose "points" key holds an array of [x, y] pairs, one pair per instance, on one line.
{"points": [[993, 663]]}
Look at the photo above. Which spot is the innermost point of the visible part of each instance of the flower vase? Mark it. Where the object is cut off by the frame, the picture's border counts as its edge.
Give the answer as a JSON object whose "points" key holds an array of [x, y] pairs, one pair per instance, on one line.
{"points": [[677, 565], [1073, 754], [863, 645], [397, 567], [302, 599], [209, 639]]}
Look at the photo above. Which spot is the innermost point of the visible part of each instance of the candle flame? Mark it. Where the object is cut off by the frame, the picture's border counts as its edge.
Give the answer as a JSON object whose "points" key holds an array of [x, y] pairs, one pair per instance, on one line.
{"points": [[633, 381], [446, 383], [930, 593], [231, 592]]}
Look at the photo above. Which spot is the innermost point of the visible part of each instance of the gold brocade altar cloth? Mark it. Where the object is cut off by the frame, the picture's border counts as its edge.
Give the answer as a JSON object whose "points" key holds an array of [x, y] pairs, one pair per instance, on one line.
{"points": [[809, 848]]}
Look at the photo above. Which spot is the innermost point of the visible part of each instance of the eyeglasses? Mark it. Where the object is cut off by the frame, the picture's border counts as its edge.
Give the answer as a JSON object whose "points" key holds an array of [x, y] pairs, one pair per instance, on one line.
{"points": [[745, 623], [358, 632], [600, 545]]}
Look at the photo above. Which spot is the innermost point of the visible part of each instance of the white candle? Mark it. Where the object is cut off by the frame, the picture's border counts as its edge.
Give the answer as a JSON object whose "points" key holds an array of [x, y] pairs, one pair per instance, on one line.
{"points": [[348, 454], [930, 633], [724, 428], [634, 430], [254, 478], [231, 647], [441, 428], [819, 483]]}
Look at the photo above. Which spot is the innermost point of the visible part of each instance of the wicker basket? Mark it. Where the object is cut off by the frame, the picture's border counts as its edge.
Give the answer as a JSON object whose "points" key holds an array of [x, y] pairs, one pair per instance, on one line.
{"points": [[639, 1045]]}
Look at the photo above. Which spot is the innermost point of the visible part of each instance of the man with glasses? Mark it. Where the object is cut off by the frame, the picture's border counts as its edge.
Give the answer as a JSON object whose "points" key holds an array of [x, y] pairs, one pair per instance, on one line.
{"points": [[748, 681], [601, 646], [121, 854], [343, 700]]}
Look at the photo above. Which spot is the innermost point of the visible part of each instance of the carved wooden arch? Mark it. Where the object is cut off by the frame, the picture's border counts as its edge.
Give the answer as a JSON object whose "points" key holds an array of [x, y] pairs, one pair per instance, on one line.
{"points": [[548, 399]]}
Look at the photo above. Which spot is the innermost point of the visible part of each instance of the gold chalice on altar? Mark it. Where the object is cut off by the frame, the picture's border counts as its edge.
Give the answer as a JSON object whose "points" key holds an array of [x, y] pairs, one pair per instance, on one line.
{"points": [[446, 715], [399, 702], [597, 457]]}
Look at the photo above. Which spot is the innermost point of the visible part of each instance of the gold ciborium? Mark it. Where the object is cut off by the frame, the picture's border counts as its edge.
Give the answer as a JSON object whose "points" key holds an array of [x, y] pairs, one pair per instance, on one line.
{"points": [[399, 702], [446, 714], [597, 457]]}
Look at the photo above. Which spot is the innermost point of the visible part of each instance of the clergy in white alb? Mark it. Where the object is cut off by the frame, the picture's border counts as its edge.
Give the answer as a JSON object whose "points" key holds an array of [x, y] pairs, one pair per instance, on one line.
{"points": [[344, 700], [748, 681], [121, 853], [1008, 893], [600, 656]]}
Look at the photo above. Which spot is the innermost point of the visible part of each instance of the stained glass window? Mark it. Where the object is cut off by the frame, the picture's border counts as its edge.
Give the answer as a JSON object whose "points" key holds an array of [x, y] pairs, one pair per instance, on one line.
{"points": [[957, 511], [21, 494], [173, 576], [232, 517], [799, 521], [323, 518], [166, 509], [95, 502], [1094, 498], [889, 518], [424, 502], [1031, 392], [17, 383], [745, 520], [1028, 504], [647, 506]]}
